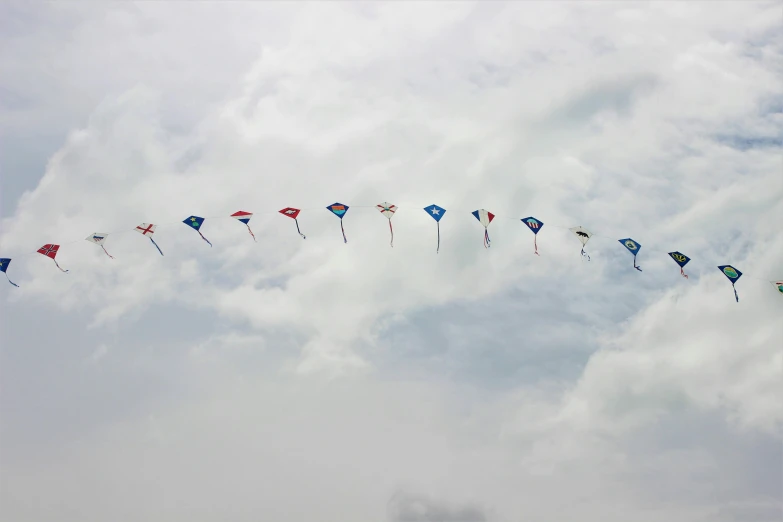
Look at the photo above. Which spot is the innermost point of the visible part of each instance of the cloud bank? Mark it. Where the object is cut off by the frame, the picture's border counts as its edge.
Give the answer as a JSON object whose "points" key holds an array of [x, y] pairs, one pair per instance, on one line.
{"points": [[310, 379]]}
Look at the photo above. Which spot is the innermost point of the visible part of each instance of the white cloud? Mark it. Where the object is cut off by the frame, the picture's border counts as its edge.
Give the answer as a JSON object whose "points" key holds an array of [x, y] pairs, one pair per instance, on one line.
{"points": [[645, 121]]}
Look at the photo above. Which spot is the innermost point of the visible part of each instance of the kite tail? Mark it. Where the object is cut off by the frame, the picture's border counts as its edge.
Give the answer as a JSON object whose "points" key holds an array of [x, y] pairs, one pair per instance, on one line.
{"points": [[58, 266], [682, 272], [536, 246], [9, 280], [300, 232], [438, 250], [156, 246], [205, 239], [635, 266], [392, 234], [251, 232], [735, 293], [486, 238], [108, 254], [343, 231], [584, 254]]}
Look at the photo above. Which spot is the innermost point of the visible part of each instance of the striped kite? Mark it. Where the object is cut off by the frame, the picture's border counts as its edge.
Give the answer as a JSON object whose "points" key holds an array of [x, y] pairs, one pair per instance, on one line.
{"points": [[485, 218], [244, 217]]}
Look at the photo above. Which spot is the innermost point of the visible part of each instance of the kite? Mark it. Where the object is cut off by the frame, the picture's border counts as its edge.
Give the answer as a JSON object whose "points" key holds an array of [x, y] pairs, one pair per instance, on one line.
{"points": [[682, 260], [196, 222], [244, 217], [98, 238], [633, 247], [535, 226], [4, 262], [778, 284], [339, 210], [485, 218], [436, 213], [292, 213], [583, 235], [388, 210], [146, 228], [50, 251], [733, 274]]}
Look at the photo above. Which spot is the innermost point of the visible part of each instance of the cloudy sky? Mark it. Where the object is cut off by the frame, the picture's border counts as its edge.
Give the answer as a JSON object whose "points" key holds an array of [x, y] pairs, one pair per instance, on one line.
{"points": [[312, 380]]}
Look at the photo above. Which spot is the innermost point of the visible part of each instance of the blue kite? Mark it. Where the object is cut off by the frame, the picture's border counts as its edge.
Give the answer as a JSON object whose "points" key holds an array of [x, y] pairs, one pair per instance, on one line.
{"points": [[339, 210], [436, 213], [733, 274], [682, 260], [633, 247], [195, 223], [4, 262], [535, 226]]}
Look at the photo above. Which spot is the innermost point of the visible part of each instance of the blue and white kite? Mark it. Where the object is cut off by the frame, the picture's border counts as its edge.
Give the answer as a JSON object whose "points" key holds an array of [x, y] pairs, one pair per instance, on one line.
{"points": [[436, 213]]}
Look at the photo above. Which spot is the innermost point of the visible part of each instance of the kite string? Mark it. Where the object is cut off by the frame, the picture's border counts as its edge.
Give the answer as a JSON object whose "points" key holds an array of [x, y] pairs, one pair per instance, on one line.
{"points": [[156, 246], [9, 280], [58, 266], [369, 206], [251, 232], [300, 232], [202, 237]]}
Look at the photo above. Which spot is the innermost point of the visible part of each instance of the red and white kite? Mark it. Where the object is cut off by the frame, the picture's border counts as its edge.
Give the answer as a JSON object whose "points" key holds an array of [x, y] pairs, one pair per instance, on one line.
{"points": [[50, 251]]}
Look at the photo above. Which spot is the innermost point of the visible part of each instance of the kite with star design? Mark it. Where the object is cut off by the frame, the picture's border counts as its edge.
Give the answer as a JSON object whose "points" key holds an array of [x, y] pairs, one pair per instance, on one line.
{"points": [[195, 223], [436, 213], [4, 262]]}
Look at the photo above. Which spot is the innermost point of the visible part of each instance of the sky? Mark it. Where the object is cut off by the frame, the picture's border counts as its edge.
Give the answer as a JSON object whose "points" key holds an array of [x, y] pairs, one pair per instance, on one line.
{"points": [[311, 379]]}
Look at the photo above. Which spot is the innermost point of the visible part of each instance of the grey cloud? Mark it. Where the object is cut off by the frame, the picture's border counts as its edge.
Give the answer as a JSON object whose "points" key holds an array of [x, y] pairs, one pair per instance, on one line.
{"points": [[407, 507], [255, 375]]}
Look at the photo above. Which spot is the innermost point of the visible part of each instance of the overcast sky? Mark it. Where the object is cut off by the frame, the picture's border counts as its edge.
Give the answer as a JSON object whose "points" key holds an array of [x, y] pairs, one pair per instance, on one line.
{"points": [[315, 380]]}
